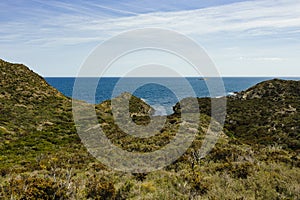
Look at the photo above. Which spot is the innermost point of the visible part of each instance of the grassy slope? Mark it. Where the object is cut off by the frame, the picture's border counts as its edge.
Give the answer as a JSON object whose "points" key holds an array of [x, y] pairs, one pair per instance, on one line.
{"points": [[42, 156], [265, 114], [35, 119]]}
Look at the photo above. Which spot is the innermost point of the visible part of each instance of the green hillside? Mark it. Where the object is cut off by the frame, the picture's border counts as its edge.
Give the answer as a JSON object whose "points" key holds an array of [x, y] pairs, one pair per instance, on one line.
{"points": [[265, 114], [42, 157]]}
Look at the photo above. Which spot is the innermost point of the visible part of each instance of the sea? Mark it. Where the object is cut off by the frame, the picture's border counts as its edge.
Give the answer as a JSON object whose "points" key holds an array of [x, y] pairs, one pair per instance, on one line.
{"points": [[161, 93]]}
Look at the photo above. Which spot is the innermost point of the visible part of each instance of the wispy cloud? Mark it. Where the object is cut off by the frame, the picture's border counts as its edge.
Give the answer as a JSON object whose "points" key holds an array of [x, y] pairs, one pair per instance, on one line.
{"points": [[268, 59], [255, 18], [256, 31]]}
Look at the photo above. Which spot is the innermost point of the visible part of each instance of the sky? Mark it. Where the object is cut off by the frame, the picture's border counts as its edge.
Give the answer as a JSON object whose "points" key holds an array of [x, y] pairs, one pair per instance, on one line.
{"points": [[243, 38]]}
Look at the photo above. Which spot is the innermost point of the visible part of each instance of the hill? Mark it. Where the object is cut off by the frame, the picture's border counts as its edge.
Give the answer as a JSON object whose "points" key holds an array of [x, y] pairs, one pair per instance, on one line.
{"points": [[265, 114], [35, 118], [42, 156], [275, 90], [26, 96]]}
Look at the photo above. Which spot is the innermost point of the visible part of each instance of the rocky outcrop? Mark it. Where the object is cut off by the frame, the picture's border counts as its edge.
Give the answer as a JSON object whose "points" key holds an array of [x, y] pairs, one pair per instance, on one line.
{"points": [[137, 107]]}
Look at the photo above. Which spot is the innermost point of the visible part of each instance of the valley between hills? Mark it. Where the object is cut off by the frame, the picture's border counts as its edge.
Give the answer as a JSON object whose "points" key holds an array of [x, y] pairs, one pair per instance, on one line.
{"points": [[42, 156]]}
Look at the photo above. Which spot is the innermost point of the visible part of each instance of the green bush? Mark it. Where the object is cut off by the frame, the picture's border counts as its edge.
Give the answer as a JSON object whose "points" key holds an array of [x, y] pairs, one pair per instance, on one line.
{"points": [[124, 191], [43, 188], [26, 188], [98, 188], [242, 170]]}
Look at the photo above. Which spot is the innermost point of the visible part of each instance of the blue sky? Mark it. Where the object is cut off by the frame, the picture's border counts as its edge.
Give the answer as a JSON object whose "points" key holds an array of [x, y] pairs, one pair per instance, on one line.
{"points": [[243, 38]]}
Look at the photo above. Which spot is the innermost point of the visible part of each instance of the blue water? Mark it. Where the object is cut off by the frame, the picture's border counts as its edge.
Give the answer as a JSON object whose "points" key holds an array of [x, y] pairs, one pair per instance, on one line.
{"points": [[153, 92]]}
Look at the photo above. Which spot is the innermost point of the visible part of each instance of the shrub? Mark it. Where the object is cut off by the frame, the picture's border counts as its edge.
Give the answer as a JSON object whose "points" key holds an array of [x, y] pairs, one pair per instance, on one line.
{"points": [[139, 176], [34, 188], [148, 187], [124, 191], [43, 188], [98, 188], [242, 170], [198, 185]]}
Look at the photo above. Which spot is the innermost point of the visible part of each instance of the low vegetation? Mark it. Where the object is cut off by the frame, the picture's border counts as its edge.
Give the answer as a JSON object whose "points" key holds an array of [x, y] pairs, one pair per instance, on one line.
{"points": [[42, 157]]}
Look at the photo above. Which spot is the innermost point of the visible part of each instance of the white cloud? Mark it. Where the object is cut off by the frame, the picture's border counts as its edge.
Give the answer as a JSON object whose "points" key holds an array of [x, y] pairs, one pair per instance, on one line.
{"points": [[254, 18], [262, 32], [270, 59]]}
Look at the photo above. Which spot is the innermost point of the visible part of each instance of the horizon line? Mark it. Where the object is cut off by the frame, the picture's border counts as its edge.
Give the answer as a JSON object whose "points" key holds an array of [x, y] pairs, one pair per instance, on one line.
{"points": [[173, 77]]}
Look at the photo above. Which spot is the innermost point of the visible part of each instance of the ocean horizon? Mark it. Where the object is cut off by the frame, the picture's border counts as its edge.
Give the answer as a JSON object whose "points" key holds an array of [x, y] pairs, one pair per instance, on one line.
{"points": [[150, 89]]}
